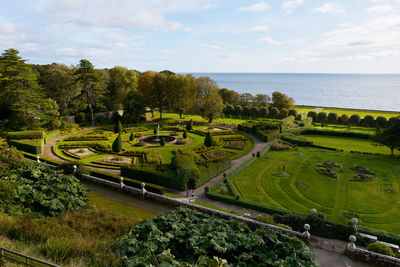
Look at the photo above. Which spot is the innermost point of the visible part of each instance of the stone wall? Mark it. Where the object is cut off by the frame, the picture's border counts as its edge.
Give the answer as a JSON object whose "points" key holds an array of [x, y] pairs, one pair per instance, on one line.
{"points": [[373, 257]]}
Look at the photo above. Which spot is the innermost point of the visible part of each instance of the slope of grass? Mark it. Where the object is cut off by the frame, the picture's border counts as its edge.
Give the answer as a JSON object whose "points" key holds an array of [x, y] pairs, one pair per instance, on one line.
{"points": [[375, 203]]}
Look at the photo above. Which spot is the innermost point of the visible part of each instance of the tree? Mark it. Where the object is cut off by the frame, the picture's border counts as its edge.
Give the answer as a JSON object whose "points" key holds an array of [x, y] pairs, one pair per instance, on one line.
{"points": [[208, 141], [322, 118], [131, 137], [88, 79], [60, 85], [180, 98], [122, 82], [247, 99], [389, 137], [255, 112], [118, 127], [184, 135], [238, 110], [354, 119], [229, 109], [369, 121], [262, 100], [344, 118], [273, 112], [146, 88], [207, 101], [229, 96], [333, 117], [313, 115], [264, 112], [246, 111], [117, 144], [134, 107], [189, 125], [280, 101], [381, 122], [22, 101], [162, 92], [283, 113]]}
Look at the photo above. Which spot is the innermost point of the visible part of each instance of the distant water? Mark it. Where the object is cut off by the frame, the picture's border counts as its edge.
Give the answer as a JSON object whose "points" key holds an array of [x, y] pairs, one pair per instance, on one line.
{"points": [[362, 91]]}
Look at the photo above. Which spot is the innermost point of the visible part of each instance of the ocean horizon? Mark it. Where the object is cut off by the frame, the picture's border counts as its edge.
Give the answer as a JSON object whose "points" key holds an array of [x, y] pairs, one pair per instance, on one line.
{"points": [[356, 90]]}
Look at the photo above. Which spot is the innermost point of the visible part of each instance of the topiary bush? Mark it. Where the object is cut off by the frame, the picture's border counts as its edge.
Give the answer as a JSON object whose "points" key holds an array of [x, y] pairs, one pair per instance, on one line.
{"points": [[354, 119], [117, 144], [208, 141], [131, 137], [344, 119], [162, 141], [369, 121], [293, 113], [283, 113], [184, 135], [333, 117], [255, 112], [322, 117], [380, 248], [118, 127], [264, 112], [313, 115], [189, 125], [238, 110], [246, 111], [229, 109], [273, 112], [381, 121]]}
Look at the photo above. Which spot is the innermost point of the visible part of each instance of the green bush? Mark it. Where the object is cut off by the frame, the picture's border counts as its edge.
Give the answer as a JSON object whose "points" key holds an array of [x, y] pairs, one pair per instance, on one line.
{"points": [[7, 194], [380, 248], [184, 135], [118, 127], [291, 138], [52, 135], [25, 135], [335, 133], [273, 112], [355, 119], [117, 144], [313, 115], [209, 170], [162, 141], [369, 121], [131, 137], [209, 141], [186, 168], [80, 117], [34, 146], [189, 125], [333, 117], [382, 235], [135, 129]]}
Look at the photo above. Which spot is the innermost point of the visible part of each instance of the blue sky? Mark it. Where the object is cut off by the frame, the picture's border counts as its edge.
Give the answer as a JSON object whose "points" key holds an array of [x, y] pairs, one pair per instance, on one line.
{"points": [[358, 36]]}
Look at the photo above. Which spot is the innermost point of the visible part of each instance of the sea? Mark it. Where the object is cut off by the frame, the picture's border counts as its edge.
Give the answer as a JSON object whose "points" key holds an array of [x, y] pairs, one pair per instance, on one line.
{"points": [[359, 91]]}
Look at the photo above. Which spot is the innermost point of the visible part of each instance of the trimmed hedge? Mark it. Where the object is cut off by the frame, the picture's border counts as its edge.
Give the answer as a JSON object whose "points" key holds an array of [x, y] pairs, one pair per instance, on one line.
{"points": [[34, 146], [99, 145], [382, 235], [209, 170], [291, 138], [381, 249], [186, 168], [135, 129], [336, 133], [26, 135], [52, 135]]}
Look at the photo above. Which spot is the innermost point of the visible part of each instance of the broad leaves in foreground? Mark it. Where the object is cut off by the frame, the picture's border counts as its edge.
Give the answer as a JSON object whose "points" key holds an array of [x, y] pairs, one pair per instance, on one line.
{"points": [[186, 237]]}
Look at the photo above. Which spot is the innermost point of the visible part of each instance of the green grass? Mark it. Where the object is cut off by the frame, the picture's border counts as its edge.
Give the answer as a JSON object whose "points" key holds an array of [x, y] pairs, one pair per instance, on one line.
{"points": [[344, 128], [375, 203], [212, 207], [348, 144], [362, 112]]}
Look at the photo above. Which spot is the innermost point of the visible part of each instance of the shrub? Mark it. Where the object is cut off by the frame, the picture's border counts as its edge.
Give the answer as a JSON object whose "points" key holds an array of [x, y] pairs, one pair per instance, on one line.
{"points": [[333, 117], [380, 248], [369, 121], [246, 111], [116, 117], [354, 119], [186, 168], [25, 135], [255, 112], [283, 113], [393, 121], [313, 115], [344, 118], [7, 194], [322, 117], [298, 117], [291, 138], [238, 110], [80, 117], [162, 141], [117, 144], [273, 112], [381, 121], [184, 135], [264, 112], [118, 127], [208, 141], [131, 137], [258, 154], [34, 146], [10, 158], [53, 124], [189, 125], [229, 109], [293, 113]]}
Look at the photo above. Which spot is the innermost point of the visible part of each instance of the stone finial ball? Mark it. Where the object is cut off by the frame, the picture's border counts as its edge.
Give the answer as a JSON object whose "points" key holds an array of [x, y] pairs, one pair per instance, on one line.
{"points": [[354, 220], [37, 157], [121, 178], [306, 227], [143, 184], [352, 238], [313, 211], [74, 166]]}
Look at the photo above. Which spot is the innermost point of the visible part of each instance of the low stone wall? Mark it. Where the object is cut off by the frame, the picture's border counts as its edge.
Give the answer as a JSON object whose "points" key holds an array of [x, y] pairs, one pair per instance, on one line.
{"points": [[176, 203], [373, 257]]}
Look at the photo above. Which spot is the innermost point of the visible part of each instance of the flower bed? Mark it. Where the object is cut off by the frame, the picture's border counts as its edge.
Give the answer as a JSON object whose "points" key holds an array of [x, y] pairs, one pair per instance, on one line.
{"points": [[362, 169], [240, 145], [217, 154], [115, 160], [80, 153]]}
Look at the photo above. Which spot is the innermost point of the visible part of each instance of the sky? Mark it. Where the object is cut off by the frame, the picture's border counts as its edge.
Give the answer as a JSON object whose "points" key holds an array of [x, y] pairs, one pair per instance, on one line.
{"points": [[300, 36]]}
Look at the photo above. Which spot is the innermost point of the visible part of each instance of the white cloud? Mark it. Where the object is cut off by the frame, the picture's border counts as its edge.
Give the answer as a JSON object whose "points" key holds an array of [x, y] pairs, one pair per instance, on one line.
{"points": [[330, 8], [291, 5], [258, 7], [215, 47], [259, 29], [379, 9], [227, 55], [269, 40]]}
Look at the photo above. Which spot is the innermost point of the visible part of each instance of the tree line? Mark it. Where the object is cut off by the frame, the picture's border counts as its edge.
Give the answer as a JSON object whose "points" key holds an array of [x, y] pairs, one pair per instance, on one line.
{"points": [[34, 96]]}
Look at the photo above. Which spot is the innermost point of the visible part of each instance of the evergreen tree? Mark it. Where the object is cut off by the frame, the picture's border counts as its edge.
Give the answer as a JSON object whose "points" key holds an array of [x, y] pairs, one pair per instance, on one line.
{"points": [[118, 127], [189, 125], [184, 134], [155, 131], [22, 100], [162, 141], [208, 141], [117, 144], [131, 137]]}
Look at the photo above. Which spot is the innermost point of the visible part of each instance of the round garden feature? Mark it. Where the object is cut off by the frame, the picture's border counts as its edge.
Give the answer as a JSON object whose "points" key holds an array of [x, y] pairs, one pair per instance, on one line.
{"points": [[155, 139]]}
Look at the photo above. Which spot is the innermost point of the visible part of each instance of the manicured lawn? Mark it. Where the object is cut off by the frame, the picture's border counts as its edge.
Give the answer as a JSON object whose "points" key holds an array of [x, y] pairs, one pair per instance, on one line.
{"points": [[375, 203], [348, 144], [344, 128], [304, 110]]}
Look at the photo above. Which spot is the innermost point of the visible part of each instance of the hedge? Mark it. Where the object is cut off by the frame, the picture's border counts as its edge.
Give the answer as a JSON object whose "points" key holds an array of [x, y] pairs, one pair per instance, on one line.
{"points": [[135, 129], [186, 168], [164, 176], [150, 156], [335, 133], [34, 146], [213, 133], [381, 235], [25, 135], [52, 135], [99, 145], [291, 138], [266, 136], [209, 170]]}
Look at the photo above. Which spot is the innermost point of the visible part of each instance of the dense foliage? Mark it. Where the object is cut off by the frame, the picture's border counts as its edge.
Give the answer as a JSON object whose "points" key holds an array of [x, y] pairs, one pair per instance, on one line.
{"points": [[117, 144], [185, 237], [41, 191]]}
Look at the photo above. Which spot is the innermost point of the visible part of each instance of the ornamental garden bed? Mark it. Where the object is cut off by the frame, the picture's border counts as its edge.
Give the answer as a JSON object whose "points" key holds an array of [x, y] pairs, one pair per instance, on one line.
{"points": [[240, 145], [217, 154], [116, 160], [80, 153]]}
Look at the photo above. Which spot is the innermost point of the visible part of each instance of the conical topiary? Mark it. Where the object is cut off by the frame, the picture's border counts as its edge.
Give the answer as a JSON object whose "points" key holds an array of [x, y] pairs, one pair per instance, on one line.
{"points": [[131, 137], [117, 145], [208, 141], [155, 131], [118, 127], [162, 141], [184, 135], [189, 125]]}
